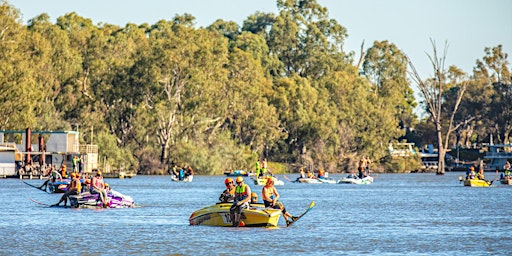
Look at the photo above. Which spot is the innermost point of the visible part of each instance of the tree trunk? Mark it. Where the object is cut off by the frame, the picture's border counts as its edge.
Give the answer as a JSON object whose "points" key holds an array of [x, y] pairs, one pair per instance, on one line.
{"points": [[441, 152]]}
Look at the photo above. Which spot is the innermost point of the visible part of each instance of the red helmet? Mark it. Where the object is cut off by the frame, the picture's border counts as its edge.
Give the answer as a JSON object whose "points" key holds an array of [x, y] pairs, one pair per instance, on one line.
{"points": [[228, 180]]}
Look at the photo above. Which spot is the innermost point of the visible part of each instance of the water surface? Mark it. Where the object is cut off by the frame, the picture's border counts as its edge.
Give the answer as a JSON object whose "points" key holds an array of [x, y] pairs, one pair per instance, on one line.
{"points": [[400, 214]]}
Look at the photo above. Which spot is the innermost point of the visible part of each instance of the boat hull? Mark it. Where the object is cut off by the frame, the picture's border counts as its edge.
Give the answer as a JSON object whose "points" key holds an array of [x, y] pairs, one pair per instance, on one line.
{"points": [[363, 181], [315, 181], [263, 180], [185, 179], [506, 181], [218, 215], [88, 200], [476, 183], [237, 173]]}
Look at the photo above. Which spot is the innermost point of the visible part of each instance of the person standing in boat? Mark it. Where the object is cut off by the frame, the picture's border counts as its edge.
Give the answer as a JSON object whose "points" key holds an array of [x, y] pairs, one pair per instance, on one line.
{"points": [[264, 167], [258, 170], [98, 188], [75, 163], [270, 199], [242, 198], [228, 195], [74, 188]]}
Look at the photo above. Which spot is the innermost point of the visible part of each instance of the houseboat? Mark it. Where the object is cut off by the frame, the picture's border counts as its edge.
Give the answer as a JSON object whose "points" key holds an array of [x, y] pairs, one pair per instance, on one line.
{"points": [[20, 157]]}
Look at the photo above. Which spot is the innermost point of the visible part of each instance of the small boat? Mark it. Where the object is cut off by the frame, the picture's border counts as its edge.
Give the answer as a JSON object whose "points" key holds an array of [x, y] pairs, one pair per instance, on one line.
{"points": [[308, 180], [49, 186], [315, 181], [58, 186], [263, 180], [475, 182], [506, 180], [88, 200], [188, 178], [354, 179], [218, 215], [236, 173]]}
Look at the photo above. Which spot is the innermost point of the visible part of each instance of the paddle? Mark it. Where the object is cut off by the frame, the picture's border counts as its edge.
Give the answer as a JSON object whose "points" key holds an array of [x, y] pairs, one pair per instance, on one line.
{"points": [[286, 178]]}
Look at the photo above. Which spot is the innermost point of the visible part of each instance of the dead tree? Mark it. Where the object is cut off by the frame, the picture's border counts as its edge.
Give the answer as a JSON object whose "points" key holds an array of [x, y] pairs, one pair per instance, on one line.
{"points": [[432, 90]]}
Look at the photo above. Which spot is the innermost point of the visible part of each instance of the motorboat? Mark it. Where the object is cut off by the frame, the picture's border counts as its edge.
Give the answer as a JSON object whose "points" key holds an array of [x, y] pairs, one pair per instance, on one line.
{"points": [[506, 180], [354, 179], [236, 173], [218, 215], [88, 200], [263, 180], [477, 183], [188, 178], [315, 180]]}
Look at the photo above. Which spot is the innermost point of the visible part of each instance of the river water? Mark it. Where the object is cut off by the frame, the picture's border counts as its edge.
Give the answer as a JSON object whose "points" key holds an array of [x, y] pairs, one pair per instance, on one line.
{"points": [[399, 214]]}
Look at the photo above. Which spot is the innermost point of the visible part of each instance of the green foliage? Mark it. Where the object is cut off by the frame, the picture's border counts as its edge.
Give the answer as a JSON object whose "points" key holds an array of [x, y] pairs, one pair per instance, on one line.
{"points": [[110, 154], [220, 97], [401, 164], [212, 157]]}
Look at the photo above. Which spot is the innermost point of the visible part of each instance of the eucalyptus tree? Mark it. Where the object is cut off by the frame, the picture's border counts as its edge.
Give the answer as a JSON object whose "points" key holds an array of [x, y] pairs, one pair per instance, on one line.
{"points": [[182, 71], [493, 72], [305, 40], [433, 91], [19, 92], [250, 118], [385, 66], [54, 66]]}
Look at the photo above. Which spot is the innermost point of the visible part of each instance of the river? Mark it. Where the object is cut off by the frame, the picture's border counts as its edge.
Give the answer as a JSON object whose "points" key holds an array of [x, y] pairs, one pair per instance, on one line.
{"points": [[399, 214]]}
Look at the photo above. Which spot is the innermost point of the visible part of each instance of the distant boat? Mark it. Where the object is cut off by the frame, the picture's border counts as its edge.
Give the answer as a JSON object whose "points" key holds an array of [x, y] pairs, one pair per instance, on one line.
{"points": [[498, 155]]}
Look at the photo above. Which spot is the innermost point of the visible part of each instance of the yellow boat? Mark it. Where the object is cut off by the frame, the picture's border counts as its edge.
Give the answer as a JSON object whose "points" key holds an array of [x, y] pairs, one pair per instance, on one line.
{"points": [[218, 215], [476, 183]]}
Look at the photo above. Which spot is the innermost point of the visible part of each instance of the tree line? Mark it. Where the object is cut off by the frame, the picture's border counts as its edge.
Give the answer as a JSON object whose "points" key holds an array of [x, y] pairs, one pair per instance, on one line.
{"points": [[279, 86]]}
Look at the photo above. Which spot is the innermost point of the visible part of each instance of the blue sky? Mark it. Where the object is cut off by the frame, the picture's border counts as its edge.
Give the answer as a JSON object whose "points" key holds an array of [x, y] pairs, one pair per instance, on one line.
{"points": [[467, 25]]}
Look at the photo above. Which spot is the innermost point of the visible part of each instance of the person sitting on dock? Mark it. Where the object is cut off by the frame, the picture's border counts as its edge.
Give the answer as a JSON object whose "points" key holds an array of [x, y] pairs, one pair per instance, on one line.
{"points": [[270, 199], [242, 198], [228, 195], [74, 188], [97, 188]]}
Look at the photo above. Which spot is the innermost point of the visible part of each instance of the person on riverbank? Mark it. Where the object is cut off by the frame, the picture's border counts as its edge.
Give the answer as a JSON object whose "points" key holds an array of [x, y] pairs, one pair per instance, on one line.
{"points": [[270, 198], [228, 195], [241, 202]]}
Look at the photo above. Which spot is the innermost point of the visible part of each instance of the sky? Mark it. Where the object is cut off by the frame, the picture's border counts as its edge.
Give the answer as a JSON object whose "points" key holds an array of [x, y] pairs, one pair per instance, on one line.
{"points": [[467, 26]]}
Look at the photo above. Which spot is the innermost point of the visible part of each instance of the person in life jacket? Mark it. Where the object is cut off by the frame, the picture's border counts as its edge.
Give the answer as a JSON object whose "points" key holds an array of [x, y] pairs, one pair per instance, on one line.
{"points": [[74, 188], [270, 199], [241, 202], [97, 187], [254, 198], [228, 195]]}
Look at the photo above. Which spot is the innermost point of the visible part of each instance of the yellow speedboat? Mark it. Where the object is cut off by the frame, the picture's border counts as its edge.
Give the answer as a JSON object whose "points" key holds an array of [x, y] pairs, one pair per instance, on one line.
{"points": [[218, 215], [476, 182]]}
